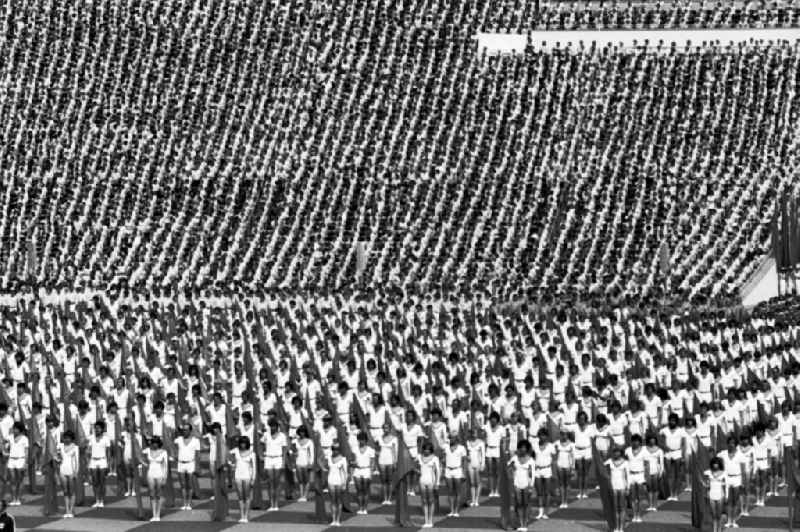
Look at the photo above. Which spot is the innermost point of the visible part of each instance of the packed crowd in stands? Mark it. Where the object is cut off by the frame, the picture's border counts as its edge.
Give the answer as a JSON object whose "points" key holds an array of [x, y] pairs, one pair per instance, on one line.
{"points": [[167, 145], [520, 16], [552, 243]]}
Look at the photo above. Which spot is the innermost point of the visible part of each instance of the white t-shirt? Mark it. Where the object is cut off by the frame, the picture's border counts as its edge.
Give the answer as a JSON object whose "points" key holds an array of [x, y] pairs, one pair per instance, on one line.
{"points": [[636, 461], [673, 438], [454, 456], [493, 438], [18, 448], [98, 447], [733, 463], [544, 455], [274, 444], [583, 438], [364, 456], [411, 435], [187, 448]]}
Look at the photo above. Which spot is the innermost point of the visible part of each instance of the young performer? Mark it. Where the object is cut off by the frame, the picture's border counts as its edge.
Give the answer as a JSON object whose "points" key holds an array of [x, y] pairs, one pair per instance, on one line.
{"points": [[429, 477], [734, 471], [337, 483], [477, 462], [303, 462], [157, 462], [764, 450], [275, 447], [545, 454], [99, 452], [412, 435], [362, 475], [565, 463], [654, 470], [387, 458], [188, 455], [636, 456], [126, 451], [747, 457], [675, 444], [455, 462], [244, 467], [522, 467], [716, 482], [67, 456], [776, 459], [17, 460], [584, 432], [618, 472]]}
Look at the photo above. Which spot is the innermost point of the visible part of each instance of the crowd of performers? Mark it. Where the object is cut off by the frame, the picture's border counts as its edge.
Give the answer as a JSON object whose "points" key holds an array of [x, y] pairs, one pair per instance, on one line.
{"points": [[531, 408]]}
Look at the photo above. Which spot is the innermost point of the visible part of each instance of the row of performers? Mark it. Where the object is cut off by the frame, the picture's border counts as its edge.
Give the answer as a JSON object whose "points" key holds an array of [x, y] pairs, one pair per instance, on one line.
{"points": [[281, 457]]}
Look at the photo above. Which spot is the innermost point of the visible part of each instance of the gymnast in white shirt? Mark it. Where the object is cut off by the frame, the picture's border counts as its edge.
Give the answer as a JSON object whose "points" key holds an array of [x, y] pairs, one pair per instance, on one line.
{"points": [[99, 451], [337, 482], [304, 446], [430, 472], [455, 459], [522, 467], [364, 456], [67, 456], [243, 460], [476, 450], [17, 460], [716, 480], [618, 471], [157, 466], [387, 459]]}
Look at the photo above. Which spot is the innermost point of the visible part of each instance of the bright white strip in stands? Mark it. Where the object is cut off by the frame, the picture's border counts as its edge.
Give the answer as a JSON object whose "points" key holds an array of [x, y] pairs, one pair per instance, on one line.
{"points": [[509, 43]]}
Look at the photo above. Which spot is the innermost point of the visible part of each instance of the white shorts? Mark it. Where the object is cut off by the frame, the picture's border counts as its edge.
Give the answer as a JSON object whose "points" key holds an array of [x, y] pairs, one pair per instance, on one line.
{"points": [[17, 463], [521, 487], [762, 465], [455, 473], [673, 455], [273, 462], [362, 472], [186, 467], [583, 454], [544, 472], [735, 482], [98, 463], [67, 470], [493, 452], [635, 479], [156, 478]]}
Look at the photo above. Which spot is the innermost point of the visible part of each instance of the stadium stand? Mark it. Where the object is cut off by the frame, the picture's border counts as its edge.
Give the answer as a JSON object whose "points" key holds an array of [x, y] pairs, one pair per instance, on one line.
{"points": [[169, 146]]}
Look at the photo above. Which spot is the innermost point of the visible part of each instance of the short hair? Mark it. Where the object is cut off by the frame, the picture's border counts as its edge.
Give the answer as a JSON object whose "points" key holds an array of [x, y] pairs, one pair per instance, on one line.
{"points": [[524, 445]]}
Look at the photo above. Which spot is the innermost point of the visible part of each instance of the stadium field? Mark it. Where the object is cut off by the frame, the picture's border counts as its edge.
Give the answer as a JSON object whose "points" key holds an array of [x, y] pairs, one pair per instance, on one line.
{"points": [[585, 515]]}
